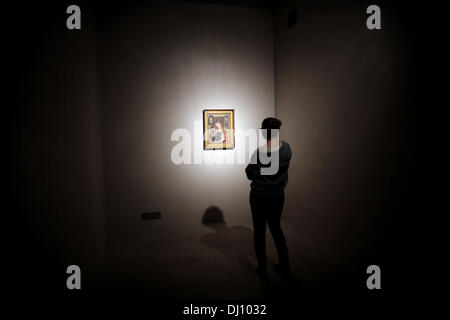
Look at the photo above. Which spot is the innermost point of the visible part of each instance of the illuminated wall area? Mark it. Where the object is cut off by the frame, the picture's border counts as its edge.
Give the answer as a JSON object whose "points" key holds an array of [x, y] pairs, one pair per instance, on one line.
{"points": [[160, 67]]}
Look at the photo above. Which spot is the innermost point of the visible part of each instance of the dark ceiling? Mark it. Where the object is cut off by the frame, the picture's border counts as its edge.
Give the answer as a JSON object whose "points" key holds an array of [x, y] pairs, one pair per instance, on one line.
{"points": [[268, 4]]}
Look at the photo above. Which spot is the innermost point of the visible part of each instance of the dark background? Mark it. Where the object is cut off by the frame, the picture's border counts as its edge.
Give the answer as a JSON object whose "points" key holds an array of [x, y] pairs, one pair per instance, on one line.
{"points": [[352, 105]]}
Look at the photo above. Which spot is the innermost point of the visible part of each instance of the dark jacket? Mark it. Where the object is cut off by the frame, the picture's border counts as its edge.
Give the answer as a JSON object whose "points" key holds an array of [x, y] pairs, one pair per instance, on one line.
{"points": [[269, 184]]}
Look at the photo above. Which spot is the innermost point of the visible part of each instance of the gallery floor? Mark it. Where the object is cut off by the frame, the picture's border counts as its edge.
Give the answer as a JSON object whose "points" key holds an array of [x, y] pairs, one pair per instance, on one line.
{"points": [[213, 261]]}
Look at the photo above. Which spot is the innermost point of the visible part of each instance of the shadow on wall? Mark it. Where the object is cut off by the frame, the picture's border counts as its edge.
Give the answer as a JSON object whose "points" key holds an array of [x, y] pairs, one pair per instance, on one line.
{"points": [[234, 242]]}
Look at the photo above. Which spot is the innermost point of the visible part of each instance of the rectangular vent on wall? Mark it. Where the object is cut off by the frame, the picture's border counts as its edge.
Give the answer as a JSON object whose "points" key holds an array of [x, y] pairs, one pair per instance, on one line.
{"points": [[151, 215]]}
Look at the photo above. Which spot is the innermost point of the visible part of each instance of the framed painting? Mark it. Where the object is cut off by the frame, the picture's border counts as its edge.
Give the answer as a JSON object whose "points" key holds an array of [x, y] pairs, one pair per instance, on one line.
{"points": [[218, 129]]}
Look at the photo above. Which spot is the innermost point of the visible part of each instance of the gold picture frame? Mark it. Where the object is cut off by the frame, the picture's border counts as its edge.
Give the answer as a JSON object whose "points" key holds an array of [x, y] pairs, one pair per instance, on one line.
{"points": [[218, 129]]}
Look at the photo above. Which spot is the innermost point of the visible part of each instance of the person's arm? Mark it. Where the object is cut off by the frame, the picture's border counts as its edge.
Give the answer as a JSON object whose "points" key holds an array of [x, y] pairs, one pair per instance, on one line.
{"points": [[253, 170]]}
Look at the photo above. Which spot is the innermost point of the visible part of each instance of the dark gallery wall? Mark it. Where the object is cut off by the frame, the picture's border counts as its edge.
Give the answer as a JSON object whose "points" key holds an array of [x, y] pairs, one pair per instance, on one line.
{"points": [[161, 64], [58, 202], [347, 98]]}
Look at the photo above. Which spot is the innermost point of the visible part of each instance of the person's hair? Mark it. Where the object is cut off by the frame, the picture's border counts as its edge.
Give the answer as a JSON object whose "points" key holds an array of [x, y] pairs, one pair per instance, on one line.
{"points": [[269, 124]]}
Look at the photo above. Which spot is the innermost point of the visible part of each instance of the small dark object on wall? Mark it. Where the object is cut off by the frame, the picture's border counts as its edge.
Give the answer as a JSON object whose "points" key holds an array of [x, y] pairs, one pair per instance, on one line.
{"points": [[292, 18]]}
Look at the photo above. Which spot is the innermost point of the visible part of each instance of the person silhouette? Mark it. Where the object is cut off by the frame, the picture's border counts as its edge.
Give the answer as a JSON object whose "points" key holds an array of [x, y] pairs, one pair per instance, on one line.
{"points": [[267, 197]]}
